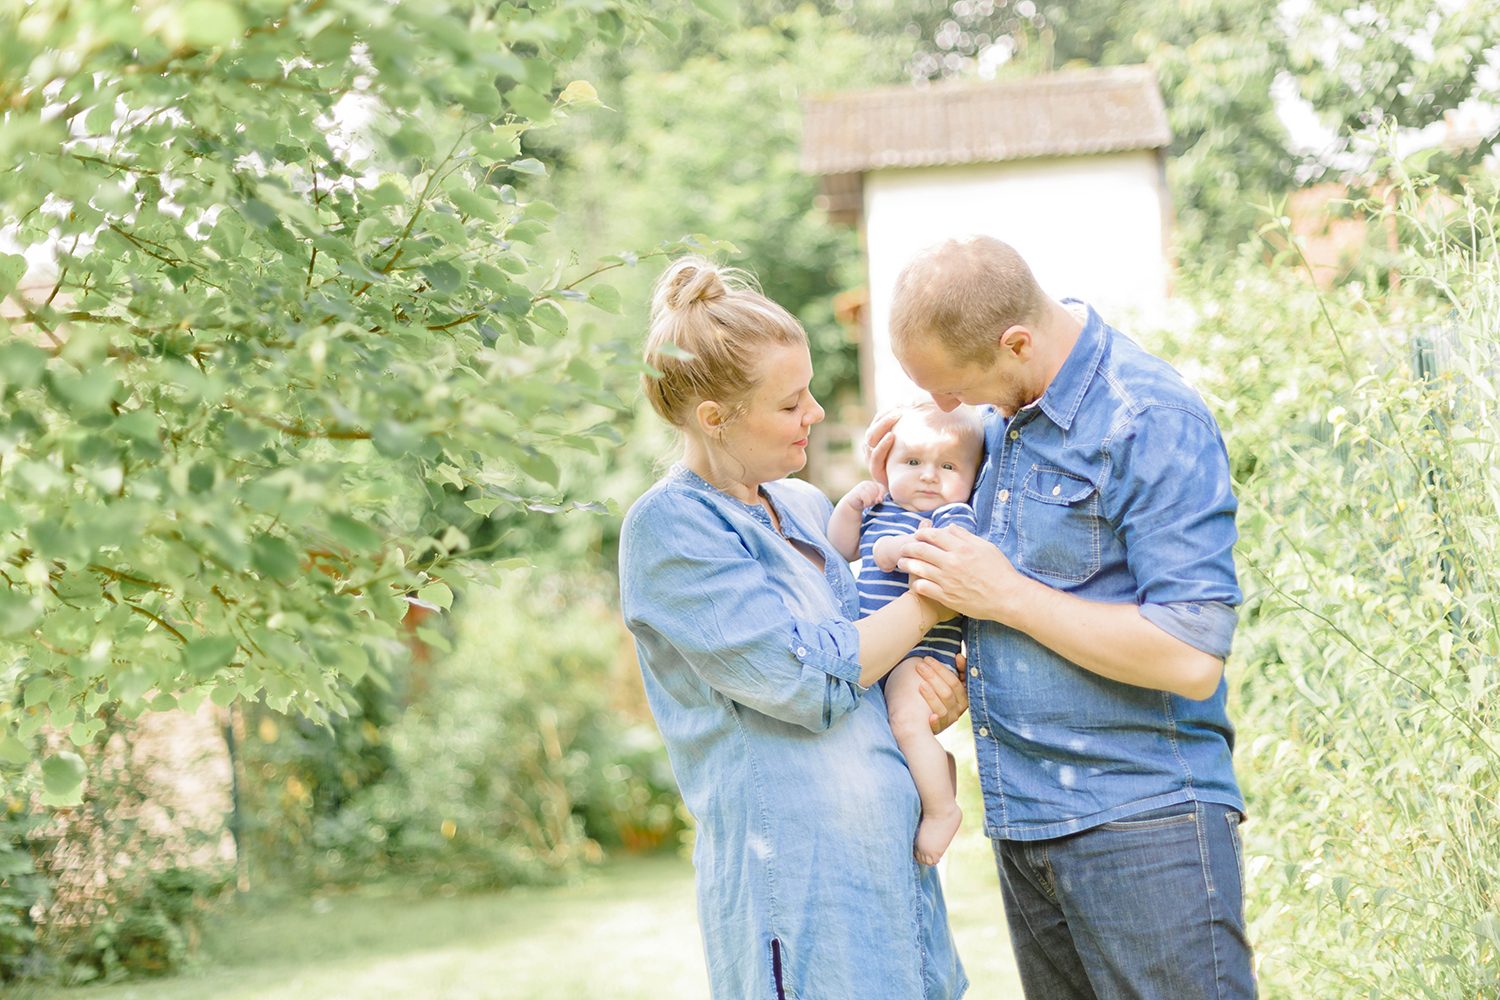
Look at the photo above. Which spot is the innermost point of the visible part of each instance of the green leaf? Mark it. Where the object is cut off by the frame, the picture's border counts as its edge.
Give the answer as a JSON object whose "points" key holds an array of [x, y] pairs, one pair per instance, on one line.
{"points": [[394, 439], [579, 92], [475, 204], [483, 506], [91, 391], [528, 103], [17, 613], [434, 638], [38, 691], [355, 534], [606, 297], [202, 658], [207, 24], [22, 364], [539, 466], [272, 556], [13, 751], [550, 317], [528, 165], [12, 269], [438, 594], [62, 779]]}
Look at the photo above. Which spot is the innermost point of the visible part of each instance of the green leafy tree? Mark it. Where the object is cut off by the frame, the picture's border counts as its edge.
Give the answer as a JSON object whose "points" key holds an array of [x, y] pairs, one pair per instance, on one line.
{"points": [[706, 138], [1221, 64], [293, 281]]}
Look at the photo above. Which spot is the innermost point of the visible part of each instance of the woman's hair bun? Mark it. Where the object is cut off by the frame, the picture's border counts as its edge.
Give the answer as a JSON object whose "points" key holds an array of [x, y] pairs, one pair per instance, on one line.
{"points": [[688, 281], [709, 328]]}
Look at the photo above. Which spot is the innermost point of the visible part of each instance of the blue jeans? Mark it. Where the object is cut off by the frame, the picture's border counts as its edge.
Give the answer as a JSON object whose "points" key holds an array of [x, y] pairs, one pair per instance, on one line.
{"points": [[1146, 908]]}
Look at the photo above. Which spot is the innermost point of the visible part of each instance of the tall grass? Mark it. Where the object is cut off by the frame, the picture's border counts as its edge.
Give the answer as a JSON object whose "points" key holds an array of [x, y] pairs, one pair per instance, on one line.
{"points": [[1363, 429]]}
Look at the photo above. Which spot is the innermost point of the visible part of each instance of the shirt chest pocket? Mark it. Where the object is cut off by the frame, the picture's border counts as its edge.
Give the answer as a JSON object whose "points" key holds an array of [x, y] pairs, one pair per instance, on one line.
{"points": [[1058, 525]]}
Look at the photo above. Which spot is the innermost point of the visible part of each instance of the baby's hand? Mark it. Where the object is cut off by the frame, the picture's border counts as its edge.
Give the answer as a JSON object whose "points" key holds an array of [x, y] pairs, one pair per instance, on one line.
{"points": [[864, 496], [887, 551]]}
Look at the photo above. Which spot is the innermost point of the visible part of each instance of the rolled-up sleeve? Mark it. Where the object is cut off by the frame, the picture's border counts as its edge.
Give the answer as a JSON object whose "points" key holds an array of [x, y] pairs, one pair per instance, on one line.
{"points": [[687, 580], [1169, 500]]}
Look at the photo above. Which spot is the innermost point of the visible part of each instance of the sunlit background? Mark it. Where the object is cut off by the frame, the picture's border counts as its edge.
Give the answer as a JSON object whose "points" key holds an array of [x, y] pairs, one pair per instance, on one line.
{"points": [[321, 329]]}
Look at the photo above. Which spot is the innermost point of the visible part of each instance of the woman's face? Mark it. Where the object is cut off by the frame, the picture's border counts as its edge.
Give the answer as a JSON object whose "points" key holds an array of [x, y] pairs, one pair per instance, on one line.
{"points": [[768, 437]]}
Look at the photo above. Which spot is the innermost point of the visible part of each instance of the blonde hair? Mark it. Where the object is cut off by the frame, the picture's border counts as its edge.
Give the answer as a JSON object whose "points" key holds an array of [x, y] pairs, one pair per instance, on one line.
{"points": [[708, 326], [962, 423], [964, 292]]}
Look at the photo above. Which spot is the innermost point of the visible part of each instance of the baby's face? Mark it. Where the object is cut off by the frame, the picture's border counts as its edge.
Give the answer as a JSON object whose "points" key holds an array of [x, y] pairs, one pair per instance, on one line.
{"points": [[928, 468]]}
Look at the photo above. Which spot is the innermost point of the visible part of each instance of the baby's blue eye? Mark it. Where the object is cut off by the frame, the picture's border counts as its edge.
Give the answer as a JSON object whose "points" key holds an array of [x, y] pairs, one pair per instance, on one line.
{"points": [[948, 466], [912, 461]]}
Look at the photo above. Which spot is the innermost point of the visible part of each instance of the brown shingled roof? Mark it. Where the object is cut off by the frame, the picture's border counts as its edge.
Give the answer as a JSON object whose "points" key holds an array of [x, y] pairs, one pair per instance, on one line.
{"points": [[1068, 113]]}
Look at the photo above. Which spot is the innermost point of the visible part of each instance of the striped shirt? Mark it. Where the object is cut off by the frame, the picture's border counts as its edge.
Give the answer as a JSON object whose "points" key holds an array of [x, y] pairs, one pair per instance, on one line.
{"points": [[877, 588]]}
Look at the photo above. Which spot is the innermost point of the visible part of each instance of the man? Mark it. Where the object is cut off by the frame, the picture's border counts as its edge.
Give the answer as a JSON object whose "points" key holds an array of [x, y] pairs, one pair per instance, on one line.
{"points": [[1101, 595]]}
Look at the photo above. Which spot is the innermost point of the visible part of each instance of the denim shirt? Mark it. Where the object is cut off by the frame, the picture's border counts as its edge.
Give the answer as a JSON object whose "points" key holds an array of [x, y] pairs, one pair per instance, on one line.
{"points": [[805, 811], [1114, 487]]}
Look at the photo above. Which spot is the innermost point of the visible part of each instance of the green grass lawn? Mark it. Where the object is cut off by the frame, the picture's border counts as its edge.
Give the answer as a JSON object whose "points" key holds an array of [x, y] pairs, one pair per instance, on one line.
{"points": [[626, 932]]}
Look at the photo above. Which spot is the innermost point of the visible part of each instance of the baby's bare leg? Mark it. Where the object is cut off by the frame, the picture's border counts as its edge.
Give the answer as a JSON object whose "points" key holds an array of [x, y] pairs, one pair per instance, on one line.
{"points": [[930, 764]]}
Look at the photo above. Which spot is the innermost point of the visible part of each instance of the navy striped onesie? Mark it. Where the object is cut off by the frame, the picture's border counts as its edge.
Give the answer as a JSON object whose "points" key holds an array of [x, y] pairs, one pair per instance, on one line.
{"points": [[877, 588]]}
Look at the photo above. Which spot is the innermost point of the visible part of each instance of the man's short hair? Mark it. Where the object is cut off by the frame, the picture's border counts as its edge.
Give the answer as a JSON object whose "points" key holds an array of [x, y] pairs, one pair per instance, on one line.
{"points": [[965, 292]]}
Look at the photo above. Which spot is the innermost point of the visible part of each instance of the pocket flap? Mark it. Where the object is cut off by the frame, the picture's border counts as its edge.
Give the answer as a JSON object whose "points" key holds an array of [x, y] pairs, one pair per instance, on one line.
{"points": [[1056, 486]]}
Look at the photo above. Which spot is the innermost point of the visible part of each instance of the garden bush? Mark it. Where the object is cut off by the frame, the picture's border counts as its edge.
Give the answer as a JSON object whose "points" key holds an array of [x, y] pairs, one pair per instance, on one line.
{"points": [[518, 756], [1363, 430], [117, 886]]}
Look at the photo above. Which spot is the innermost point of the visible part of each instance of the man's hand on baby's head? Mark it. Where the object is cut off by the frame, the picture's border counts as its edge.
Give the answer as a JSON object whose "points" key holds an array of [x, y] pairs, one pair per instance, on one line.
{"points": [[879, 439]]}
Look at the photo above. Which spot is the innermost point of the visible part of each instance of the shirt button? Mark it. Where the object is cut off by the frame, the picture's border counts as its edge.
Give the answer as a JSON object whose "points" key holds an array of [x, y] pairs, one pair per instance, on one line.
{"points": [[801, 650], [1056, 490], [1015, 435], [984, 731], [1004, 495], [973, 671]]}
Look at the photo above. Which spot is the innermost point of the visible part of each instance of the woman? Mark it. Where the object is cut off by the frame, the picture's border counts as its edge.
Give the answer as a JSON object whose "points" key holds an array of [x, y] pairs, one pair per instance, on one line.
{"points": [[762, 682]]}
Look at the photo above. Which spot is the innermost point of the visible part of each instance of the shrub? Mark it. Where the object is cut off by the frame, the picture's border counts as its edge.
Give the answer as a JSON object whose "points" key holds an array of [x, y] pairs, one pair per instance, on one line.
{"points": [[518, 756], [1363, 429]]}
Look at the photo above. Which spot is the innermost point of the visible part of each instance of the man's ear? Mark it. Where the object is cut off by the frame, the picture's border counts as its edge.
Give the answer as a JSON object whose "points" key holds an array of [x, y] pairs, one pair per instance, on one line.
{"points": [[1016, 341]]}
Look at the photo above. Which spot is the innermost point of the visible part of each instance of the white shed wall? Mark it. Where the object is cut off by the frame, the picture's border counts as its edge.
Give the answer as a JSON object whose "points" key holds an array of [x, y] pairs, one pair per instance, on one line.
{"points": [[1091, 227]]}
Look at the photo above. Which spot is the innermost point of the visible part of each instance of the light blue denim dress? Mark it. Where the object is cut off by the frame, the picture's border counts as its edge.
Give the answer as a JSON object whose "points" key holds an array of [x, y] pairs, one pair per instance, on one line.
{"points": [[805, 810]]}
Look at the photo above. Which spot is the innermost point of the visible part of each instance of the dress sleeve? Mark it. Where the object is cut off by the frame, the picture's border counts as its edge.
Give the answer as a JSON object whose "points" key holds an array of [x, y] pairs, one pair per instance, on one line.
{"points": [[687, 577], [1168, 497]]}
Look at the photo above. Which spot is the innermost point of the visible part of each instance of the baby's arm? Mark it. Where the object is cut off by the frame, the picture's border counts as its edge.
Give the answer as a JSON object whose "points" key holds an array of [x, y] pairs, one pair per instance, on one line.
{"points": [[887, 550], [843, 524]]}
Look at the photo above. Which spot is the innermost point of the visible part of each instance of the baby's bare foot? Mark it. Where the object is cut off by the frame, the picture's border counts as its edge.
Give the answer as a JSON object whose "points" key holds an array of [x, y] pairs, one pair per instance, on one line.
{"points": [[936, 832]]}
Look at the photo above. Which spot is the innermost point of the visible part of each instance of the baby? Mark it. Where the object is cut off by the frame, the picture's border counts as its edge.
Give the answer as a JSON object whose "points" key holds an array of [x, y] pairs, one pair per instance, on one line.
{"points": [[930, 469]]}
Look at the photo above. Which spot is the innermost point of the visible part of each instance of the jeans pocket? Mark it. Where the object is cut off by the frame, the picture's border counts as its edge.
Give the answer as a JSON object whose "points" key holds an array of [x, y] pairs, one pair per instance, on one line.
{"points": [[1234, 820], [1058, 525], [1155, 819]]}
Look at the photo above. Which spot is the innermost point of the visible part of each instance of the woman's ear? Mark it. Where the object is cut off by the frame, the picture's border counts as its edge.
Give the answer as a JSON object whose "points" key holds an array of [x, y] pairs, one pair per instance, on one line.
{"points": [[710, 417]]}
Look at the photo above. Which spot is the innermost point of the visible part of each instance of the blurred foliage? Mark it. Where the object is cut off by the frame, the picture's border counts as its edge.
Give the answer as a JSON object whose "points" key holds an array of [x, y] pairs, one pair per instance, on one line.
{"points": [[705, 137], [1365, 437], [293, 281], [300, 774], [113, 888], [1220, 64], [22, 888], [516, 756], [302, 368], [150, 929]]}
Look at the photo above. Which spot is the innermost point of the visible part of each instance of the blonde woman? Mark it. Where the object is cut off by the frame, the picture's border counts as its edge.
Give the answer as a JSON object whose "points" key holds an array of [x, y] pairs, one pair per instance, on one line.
{"points": [[762, 681]]}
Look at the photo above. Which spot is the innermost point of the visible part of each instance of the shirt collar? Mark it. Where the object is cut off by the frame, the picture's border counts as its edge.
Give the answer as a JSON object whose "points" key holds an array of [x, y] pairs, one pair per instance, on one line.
{"points": [[1065, 393], [682, 474]]}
